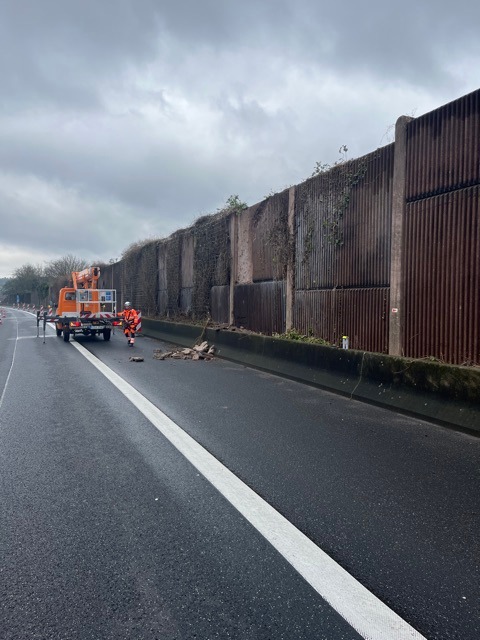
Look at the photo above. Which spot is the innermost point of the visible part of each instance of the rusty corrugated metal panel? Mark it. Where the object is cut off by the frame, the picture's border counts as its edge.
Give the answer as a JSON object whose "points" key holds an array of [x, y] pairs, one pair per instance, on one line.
{"points": [[269, 228], [343, 223], [365, 256], [442, 277], [220, 304], [442, 149], [314, 313], [260, 307], [314, 265], [361, 314]]}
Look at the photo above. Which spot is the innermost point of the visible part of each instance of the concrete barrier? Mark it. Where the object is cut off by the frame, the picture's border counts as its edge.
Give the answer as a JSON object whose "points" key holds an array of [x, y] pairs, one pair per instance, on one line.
{"points": [[445, 394]]}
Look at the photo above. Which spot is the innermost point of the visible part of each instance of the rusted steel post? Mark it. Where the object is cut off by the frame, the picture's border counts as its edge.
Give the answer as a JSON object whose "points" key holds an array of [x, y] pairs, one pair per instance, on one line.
{"points": [[396, 311], [290, 283]]}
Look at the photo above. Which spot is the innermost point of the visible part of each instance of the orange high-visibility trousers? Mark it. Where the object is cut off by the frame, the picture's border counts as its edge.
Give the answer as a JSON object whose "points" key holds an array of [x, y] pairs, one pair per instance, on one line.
{"points": [[130, 320]]}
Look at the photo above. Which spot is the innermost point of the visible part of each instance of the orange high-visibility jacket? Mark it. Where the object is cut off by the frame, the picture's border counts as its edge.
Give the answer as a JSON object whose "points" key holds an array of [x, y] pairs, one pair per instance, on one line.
{"points": [[131, 319]]}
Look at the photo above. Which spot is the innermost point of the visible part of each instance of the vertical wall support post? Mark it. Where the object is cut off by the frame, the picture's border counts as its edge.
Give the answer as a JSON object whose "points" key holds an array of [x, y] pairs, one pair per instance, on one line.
{"points": [[397, 267], [290, 283], [233, 267]]}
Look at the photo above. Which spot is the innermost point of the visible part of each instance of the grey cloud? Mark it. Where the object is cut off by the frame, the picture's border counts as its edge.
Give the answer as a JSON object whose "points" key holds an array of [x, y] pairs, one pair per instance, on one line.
{"points": [[57, 51], [140, 115], [61, 52]]}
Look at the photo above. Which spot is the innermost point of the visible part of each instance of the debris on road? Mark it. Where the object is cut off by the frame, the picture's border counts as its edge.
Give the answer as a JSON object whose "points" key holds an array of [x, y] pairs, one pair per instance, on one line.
{"points": [[202, 351], [135, 359]]}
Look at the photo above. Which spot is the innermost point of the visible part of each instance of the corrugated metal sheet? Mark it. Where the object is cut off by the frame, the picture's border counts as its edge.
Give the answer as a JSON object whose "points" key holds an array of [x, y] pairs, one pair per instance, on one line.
{"points": [[442, 277], [342, 274], [219, 304], [269, 230], [314, 313], [442, 241], [361, 314], [443, 149], [342, 250], [343, 223], [260, 307]]}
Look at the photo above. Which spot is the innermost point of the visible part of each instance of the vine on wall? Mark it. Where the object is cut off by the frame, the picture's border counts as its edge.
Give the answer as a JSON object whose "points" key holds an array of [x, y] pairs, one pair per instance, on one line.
{"points": [[279, 238], [148, 278], [211, 260], [173, 268], [338, 181], [271, 237], [140, 275]]}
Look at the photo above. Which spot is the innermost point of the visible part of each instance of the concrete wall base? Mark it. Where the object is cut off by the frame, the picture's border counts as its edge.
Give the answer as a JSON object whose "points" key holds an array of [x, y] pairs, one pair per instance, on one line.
{"points": [[444, 394]]}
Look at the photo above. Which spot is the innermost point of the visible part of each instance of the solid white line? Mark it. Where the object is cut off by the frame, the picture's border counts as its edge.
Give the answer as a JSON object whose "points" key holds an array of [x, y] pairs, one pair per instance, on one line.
{"points": [[30, 338], [11, 368], [361, 609]]}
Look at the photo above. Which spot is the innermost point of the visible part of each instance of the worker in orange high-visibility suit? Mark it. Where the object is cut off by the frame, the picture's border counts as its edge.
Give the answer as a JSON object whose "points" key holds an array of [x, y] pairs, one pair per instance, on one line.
{"points": [[130, 321]]}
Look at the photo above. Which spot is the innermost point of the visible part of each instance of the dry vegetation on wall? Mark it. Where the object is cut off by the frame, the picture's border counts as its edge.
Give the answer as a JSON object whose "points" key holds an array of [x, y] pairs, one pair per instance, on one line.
{"points": [[270, 222], [142, 283], [330, 275], [173, 268], [148, 279], [140, 275], [211, 260]]}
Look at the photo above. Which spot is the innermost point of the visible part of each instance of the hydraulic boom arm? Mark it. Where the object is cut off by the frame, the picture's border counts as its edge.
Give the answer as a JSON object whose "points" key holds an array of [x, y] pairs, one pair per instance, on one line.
{"points": [[86, 279]]}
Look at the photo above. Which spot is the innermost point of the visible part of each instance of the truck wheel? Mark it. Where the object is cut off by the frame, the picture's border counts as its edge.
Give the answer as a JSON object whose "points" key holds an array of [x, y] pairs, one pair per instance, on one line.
{"points": [[66, 336], [59, 333], [106, 334]]}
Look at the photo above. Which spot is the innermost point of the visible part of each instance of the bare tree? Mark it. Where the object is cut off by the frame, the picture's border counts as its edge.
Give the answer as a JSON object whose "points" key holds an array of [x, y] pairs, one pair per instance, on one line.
{"points": [[63, 267]]}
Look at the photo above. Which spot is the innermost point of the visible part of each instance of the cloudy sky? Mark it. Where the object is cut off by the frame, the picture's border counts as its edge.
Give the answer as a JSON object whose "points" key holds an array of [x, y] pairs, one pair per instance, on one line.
{"points": [[122, 120]]}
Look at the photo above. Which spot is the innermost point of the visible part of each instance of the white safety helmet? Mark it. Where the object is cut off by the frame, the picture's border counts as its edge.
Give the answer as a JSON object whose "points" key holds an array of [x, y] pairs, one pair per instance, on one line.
{"points": [[127, 305]]}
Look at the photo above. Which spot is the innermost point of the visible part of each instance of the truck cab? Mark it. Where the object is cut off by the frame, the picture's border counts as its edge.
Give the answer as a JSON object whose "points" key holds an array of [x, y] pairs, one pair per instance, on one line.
{"points": [[85, 309]]}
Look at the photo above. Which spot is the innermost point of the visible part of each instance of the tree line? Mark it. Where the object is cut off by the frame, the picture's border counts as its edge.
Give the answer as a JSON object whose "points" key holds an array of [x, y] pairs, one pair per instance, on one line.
{"points": [[38, 284]]}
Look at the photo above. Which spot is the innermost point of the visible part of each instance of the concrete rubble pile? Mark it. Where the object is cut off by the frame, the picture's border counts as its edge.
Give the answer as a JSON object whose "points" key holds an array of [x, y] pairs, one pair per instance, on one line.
{"points": [[202, 351]]}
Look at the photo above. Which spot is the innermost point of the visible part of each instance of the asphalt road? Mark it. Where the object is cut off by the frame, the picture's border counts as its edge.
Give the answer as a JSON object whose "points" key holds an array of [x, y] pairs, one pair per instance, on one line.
{"points": [[107, 531]]}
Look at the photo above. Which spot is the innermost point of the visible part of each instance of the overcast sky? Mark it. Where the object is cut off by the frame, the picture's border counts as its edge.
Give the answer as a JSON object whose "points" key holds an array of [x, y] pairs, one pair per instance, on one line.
{"points": [[122, 120]]}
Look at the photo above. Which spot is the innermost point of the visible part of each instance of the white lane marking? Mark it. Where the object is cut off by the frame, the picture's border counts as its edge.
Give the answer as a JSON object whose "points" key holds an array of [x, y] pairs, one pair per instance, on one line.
{"points": [[11, 368], [372, 619], [30, 337]]}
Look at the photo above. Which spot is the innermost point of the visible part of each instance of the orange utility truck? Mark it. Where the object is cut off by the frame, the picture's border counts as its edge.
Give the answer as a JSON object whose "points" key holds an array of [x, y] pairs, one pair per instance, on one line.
{"points": [[84, 309]]}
